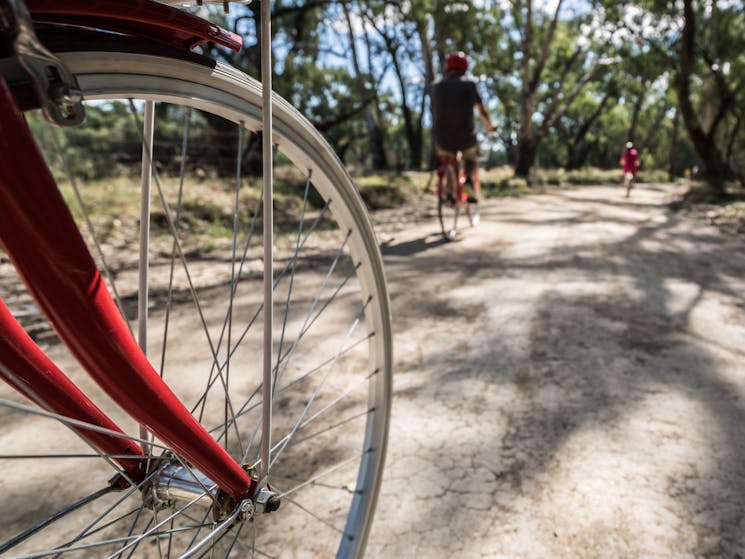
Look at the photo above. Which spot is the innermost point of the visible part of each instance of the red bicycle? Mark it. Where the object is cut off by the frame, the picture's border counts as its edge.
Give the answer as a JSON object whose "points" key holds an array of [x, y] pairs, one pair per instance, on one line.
{"points": [[453, 197], [256, 373]]}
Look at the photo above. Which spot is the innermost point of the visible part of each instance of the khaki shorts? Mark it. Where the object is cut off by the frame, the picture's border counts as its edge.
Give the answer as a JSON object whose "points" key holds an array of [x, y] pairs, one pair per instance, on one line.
{"points": [[471, 154]]}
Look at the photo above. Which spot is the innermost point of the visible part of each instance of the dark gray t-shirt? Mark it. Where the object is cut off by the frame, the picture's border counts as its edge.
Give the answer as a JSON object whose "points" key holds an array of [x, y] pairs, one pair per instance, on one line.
{"points": [[453, 98]]}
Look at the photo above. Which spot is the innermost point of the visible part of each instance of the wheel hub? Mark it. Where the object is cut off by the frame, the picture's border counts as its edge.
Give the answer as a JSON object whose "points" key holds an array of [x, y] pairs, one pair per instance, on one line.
{"points": [[174, 482]]}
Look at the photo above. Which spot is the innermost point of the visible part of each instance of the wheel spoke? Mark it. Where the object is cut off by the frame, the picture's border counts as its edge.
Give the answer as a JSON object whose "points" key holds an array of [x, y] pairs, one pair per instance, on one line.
{"points": [[330, 378], [212, 378], [328, 429], [133, 541], [95, 527], [229, 419], [246, 409], [219, 530], [276, 283], [313, 397], [311, 513], [293, 269], [70, 422], [176, 222], [325, 473], [304, 328], [54, 517], [192, 289], [88, 223]]}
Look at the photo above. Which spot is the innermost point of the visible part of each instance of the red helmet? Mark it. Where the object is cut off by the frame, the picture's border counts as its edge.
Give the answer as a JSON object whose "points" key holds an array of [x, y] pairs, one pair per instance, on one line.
{"points": [[457, 61]]}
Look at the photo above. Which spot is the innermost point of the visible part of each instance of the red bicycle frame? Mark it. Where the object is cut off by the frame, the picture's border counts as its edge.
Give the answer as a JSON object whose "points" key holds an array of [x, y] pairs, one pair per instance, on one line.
{"points": [[450, 163], [447, 162], [43, 241]]}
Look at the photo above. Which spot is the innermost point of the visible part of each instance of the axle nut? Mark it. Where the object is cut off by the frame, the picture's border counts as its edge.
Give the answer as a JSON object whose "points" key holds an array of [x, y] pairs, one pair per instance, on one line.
{"points": [[272, 503]]}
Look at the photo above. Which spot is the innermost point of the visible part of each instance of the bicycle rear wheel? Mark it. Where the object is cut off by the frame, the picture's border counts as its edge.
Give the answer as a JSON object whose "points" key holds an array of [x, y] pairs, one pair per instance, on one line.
{"points": [[332, 350], [449, 204], [448, 212]]}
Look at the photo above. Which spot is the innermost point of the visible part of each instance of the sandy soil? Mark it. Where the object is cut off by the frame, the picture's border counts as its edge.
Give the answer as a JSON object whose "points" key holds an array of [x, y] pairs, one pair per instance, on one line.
{"points": [[569, 382]]}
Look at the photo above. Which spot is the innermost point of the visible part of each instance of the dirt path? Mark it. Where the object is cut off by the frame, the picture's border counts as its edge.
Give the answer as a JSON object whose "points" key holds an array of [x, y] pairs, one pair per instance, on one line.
{"points": [[569, 383]]}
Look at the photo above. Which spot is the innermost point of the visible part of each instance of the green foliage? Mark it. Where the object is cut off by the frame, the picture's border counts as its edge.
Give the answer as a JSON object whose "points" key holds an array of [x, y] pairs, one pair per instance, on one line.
{"points": [[609, 74]]}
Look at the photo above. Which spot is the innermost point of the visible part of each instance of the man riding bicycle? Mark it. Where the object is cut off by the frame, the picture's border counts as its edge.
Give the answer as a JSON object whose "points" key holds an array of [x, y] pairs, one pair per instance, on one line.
{"points": [[454, 98]]}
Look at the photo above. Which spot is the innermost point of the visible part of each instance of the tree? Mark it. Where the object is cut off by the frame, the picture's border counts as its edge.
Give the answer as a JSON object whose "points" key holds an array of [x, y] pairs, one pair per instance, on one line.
{"points": [[397, 38], [704, 136], [704, 42], [366, 81], [579, 121], [551, 58]]}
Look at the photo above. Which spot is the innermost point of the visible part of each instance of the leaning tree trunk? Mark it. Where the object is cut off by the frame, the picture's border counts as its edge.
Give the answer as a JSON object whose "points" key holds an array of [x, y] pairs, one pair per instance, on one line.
{"points": [[577, 149]]}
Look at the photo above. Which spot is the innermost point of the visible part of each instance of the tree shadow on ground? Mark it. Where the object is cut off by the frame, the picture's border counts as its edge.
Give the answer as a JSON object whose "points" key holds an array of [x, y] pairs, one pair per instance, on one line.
{"points": [[593, 360]]}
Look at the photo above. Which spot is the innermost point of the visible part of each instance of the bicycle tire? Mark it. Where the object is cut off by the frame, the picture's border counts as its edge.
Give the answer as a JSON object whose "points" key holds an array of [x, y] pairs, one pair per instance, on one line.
{"points": [[448, 213], [448, 205], [115, 67]]}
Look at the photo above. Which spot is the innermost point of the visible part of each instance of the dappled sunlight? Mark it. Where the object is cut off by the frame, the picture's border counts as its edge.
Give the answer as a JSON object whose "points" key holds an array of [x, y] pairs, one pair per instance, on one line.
{"points": [[565, 382]]}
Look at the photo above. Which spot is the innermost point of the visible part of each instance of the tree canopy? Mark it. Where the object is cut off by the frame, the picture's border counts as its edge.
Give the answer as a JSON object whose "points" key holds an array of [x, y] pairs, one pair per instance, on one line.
{"points": [[567, 82]]}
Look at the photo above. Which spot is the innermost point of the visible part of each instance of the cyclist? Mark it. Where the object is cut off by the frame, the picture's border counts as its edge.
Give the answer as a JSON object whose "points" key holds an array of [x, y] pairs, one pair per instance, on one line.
{"points": [[454, 97], [630, 162]]}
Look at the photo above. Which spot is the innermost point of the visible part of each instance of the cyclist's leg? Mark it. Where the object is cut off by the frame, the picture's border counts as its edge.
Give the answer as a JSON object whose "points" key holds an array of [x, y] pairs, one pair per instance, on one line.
{"points": [[447, 161], [448, 207], [629, 176], [470, 158]]}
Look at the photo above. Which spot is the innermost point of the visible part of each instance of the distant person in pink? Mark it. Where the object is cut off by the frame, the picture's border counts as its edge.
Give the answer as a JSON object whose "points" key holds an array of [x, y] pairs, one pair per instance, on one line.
{"points": [[630, 159], [630, 163]]}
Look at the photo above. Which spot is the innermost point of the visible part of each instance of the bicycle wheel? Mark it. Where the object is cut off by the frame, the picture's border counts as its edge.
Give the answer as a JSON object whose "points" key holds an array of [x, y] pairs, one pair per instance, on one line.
{"points": [[332, 349], [448, 207]]}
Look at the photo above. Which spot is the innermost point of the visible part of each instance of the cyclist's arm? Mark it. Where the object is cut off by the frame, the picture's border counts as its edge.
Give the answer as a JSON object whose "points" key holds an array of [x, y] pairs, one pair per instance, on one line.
{"points": [[485, 117]]}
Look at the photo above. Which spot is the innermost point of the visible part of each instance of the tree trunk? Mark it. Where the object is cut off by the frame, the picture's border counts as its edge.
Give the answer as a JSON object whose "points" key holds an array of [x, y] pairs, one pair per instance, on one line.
{"points": [[222, 138], [577, 149], [374, 130], [576, 155], [672, 170], [525, 157], [635, 113], [429, 77], [715, 168], [413, 140]]}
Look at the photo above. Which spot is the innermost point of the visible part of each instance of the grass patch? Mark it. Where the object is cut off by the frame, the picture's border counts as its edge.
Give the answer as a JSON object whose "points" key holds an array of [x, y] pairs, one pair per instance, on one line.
{"points": [[207, 210], [591, 176], [385, 190], [389, 190], [206, 220]]}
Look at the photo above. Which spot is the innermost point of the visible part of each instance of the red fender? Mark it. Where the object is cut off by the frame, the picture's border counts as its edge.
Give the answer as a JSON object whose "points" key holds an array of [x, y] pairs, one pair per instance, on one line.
{"points": [[138, 18]]}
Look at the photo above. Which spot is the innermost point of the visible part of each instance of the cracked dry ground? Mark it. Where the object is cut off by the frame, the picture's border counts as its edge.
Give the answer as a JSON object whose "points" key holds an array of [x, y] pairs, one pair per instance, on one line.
{"points": [[569, 382]]}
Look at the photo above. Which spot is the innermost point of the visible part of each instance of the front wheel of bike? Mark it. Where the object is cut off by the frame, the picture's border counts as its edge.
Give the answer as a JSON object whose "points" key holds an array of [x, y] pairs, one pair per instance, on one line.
{"points": [[332, 340]]}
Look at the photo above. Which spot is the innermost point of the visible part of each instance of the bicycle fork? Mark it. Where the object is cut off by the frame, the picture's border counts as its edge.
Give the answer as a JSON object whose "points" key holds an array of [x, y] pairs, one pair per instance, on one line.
{"points": [[42, 239]]}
